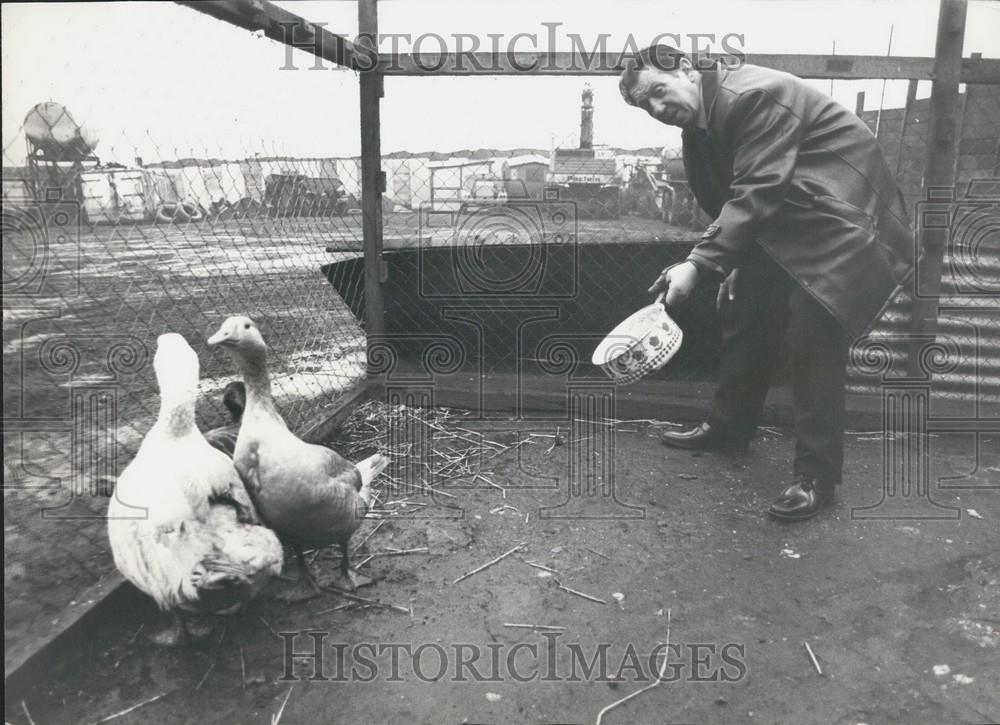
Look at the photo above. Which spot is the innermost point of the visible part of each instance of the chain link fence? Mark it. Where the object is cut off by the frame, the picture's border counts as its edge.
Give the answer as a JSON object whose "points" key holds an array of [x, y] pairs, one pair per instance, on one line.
{"points": [[113, 237]]}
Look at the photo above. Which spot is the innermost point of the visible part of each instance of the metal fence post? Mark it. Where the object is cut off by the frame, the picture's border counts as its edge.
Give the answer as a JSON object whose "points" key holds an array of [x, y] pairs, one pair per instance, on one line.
{"points": [[371, 176], [939, 172], [911, 98]]}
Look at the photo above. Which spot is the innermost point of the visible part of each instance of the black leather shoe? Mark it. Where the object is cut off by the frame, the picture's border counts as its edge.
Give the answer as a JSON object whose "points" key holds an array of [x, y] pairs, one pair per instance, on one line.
{"points": [[802, 500], [703, 438]]}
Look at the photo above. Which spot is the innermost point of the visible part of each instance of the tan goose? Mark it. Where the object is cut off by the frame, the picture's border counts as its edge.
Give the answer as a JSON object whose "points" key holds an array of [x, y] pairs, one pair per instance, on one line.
{"points": [[181, 525], [311, 496]]}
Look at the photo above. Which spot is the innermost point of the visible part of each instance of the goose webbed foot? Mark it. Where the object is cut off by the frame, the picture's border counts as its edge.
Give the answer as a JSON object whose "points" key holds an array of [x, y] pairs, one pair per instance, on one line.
{"points": [[350, 581], [347, 578], [305, 588]]}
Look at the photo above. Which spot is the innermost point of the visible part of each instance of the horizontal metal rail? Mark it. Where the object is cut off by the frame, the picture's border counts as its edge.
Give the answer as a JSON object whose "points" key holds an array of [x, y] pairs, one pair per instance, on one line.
{"points": [[287, 28], [295, 31], [974, 70]]}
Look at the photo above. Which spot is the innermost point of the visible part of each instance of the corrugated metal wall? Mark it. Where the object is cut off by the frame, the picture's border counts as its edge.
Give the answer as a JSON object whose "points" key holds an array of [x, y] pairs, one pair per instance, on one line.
{"points": [[969, 321]]}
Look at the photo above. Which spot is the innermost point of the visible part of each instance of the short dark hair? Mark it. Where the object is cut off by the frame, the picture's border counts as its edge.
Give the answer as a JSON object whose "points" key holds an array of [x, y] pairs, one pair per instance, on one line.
{"points": [[661, 57]]}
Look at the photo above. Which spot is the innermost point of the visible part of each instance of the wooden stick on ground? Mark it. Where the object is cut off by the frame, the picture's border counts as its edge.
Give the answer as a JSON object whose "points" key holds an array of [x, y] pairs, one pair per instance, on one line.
{"points": [[489, 482], [819, 670], [127, 710], [392, 551], [26, 713], [269, 627], [365, 600], [275, 719], [204, 677], [343, 605], [427, 489], [579, 594], [659, 679], [488, 564], [367, 536], [514, 625], [541, 566]]}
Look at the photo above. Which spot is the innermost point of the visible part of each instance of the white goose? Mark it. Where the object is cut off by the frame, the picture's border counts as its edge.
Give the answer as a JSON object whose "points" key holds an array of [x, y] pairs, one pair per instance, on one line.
{"points": [[310, 495], [181, 525]]}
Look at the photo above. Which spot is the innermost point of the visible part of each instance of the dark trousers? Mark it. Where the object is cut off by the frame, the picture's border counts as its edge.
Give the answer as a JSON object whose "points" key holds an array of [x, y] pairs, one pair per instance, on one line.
{"points": [[771, 307]]}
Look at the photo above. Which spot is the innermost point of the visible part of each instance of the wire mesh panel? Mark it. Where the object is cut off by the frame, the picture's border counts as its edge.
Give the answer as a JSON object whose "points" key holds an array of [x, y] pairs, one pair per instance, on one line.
{"points": [[114, 235], [512, 255]]}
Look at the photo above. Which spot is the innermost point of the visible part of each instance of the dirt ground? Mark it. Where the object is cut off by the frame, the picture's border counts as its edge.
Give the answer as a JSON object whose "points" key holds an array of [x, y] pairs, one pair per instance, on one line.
{"points": [[903, 615]]}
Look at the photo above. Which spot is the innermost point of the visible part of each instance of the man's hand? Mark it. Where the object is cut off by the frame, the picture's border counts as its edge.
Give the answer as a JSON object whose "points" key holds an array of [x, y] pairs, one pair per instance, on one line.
{"points": [[727, 290], [678, 281]]}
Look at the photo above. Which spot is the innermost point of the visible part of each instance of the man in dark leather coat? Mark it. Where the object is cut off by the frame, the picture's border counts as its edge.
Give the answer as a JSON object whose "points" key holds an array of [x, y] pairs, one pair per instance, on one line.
{"points": [[810, 236]]}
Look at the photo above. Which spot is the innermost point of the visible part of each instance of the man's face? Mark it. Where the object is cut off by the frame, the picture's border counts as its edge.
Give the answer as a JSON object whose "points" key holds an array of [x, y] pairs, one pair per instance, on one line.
{"points": [[671, 97]]}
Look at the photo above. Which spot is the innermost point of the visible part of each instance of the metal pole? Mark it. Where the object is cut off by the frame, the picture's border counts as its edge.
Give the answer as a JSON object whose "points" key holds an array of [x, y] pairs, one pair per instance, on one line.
{"points": [[911, 98], [881, 99], [939, 174], [372, 179]]}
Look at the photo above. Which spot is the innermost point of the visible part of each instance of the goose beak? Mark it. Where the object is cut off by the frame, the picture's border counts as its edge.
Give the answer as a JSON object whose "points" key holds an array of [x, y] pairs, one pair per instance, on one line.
{"points": [[221, 338]]}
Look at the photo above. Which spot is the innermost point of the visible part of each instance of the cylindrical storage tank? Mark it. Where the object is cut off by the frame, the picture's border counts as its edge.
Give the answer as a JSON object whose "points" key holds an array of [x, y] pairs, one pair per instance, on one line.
{"points": [[50, 127]]}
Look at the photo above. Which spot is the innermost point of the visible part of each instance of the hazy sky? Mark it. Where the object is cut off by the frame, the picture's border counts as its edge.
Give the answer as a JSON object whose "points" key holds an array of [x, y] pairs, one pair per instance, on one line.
{"points": [[161, 81]]}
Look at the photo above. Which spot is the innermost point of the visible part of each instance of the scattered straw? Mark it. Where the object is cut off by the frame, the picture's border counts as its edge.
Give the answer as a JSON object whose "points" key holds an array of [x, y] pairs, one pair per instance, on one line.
{"points": [[243, 669], [344, 605], [275, 719], [488, 564], [455, 451], [390, 551], [819, 670], [659, 680], [204, 677], [26, 713], [579, 593], [367, 536], [366, 600], [269, 627], [541, 566], [127, 710]]}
